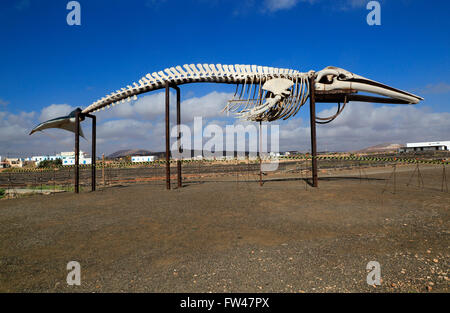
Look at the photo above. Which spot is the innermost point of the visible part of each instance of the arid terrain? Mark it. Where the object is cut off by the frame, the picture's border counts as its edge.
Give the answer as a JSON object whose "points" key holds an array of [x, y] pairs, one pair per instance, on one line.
{"points": [[234, 236]]}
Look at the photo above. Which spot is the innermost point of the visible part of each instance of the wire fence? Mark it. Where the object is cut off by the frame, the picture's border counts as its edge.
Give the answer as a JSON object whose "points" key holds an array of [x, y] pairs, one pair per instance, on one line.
{"points": [[397, 172]]}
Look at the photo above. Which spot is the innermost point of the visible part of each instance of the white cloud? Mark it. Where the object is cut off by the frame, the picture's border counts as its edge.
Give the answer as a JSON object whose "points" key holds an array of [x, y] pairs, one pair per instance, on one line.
{"points": [[14, 138], [122, 129], [278, 5], [140, 124], [146, 107], [210, 105], [363, 124], [353, 4], [11, 127], [439, 88], [3, 103], [55, 110], [358, 3], [151, 107], [127, 125]]}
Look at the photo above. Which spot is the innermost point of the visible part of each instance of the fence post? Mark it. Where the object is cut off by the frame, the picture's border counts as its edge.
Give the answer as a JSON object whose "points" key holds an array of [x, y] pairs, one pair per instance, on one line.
{"points": [[312, 112], [77, 150], [444, 179], [103, 169], [167, 136]]}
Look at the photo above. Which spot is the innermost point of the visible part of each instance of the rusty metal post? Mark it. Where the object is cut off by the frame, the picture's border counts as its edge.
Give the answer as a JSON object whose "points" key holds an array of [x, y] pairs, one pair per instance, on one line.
{"points": [[444, 179], [77, 151], [259, 155], [167, 136], [94, 152], [395, 178], [180, 179], [312, 112], [180, 183], [103, 170], [260, 142]]}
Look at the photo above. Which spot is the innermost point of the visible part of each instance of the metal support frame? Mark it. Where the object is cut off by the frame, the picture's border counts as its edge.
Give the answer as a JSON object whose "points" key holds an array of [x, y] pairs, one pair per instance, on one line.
{"points": [[338, 96], [444, 180], [179, 178], [78, 118], [259, 154], [393, 176], [334, 96], [312, 113], [260, 142], [167, 136], [93, 151], [103, 170], [77, 150]]}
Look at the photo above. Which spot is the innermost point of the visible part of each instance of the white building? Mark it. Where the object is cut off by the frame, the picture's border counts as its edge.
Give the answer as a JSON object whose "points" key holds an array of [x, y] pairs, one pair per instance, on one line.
{"points": [[38, 159], [68, 158], [426, 146], [14, 162], [71, 154], [71, 161], [146, 158], [3, 162]]}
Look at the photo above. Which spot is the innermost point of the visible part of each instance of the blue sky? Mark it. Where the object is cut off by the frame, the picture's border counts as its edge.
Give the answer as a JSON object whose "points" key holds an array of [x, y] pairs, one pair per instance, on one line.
{"points": [[48, 66]]}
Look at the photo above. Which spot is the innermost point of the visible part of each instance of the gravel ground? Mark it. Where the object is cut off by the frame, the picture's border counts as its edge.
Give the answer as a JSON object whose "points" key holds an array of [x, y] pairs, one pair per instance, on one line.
{"points": [[231, 237]]}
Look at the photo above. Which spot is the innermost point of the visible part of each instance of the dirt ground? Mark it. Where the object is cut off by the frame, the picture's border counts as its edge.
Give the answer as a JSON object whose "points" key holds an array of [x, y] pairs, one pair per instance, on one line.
{"points": [[234, 236]]}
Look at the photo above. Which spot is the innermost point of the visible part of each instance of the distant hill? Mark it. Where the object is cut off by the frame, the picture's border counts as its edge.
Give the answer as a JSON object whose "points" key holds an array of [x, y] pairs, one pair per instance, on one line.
{"points": [[124, 153], [384, 147]]}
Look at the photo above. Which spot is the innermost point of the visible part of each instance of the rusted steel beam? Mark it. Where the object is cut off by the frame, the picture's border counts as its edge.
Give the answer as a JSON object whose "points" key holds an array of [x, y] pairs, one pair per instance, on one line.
{"points": [[259, 154], [318, 93], [325, 97], [312, 113], [93, 157], [167, 136], [93, 149], [362, 98], [77, 150], [103, 170], [260, 142], [179, 178]]}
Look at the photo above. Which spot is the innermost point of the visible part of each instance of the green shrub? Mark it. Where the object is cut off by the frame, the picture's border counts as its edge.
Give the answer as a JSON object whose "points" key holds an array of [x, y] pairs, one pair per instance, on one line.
{"points": [[50, 163], [2, 193]]}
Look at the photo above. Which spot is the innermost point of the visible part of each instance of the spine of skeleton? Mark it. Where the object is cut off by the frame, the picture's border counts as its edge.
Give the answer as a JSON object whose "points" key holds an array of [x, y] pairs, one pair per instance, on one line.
{"points": [[248, 78]]}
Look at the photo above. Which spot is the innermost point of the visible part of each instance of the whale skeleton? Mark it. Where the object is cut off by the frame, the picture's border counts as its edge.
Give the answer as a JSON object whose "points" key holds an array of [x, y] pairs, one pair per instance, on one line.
{"points": [[262, 93]]}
